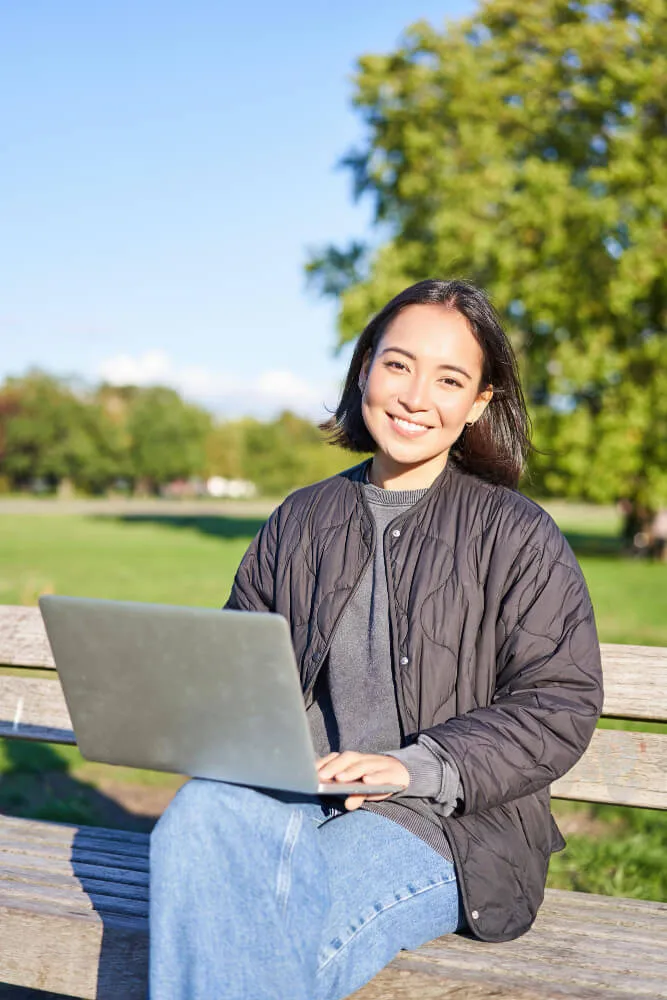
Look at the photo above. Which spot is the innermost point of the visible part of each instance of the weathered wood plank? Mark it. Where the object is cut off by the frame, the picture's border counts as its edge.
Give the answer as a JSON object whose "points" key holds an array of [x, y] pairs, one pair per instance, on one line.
{"points": [[621, 768], [32, 708], [576, 950], [635, 682], [15, 873], [40, 829], [23, 641], [61, 847], [80, 869], [635, 676], [82, 844], [91, 854], [574, 961], [78, 955], [74, 900]]}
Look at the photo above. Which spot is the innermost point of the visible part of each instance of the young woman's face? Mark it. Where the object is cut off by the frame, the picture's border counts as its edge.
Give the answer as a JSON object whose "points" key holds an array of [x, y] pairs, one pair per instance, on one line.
{"points": [[419, 390]]}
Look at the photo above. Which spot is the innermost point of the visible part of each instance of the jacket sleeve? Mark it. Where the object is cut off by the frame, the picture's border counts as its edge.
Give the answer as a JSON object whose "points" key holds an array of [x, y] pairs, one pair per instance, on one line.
{"points": [[548, 693], [254, 584]]}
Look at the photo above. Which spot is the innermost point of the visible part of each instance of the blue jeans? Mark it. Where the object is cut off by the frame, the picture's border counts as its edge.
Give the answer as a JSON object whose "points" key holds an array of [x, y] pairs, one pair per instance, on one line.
{"points": [[270, 896]]}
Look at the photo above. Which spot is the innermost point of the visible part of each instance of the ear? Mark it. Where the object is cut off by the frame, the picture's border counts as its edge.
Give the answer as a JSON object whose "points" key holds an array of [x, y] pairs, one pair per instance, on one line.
{"points": [[480, 404]]}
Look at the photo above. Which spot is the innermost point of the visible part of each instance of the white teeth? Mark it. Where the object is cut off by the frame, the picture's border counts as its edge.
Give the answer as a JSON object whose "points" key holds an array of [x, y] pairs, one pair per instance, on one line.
{"points": [[408, 424]]}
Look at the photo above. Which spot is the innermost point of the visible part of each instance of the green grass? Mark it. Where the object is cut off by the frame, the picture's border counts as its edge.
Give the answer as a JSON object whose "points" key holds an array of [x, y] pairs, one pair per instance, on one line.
{"points": [[191, 560], [180, 560]]}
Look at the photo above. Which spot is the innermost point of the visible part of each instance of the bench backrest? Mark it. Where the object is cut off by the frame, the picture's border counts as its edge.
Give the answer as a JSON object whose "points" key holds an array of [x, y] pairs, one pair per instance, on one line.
{"points": [[620, 767]]}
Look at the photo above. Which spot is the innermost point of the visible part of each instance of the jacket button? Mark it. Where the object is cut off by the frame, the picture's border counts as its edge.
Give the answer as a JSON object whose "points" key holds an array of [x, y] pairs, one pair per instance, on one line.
{"points": [[396, 532], [404, 661], [474, 915]]}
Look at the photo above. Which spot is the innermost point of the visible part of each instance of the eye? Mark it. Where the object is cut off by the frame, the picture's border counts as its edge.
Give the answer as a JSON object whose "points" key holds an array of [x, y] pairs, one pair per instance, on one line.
{"points": [[449, 381], [396, 365]]}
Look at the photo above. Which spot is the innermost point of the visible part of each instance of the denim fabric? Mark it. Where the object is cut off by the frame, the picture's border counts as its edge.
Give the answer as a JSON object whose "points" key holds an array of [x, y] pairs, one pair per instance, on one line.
{"points": [[267, 896]]}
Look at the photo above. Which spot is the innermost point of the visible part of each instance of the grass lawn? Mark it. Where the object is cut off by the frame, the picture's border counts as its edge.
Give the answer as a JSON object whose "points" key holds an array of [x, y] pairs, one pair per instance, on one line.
{"points": [[191, 560], [171, 560]]}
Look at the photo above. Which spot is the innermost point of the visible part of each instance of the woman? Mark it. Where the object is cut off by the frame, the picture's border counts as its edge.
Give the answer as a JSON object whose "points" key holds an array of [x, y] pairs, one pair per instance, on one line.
{"points": [[446, 644]]}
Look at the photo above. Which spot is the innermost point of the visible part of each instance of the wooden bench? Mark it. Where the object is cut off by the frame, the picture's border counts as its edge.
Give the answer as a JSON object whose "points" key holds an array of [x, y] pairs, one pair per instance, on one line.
{"points": [[73, 900]]}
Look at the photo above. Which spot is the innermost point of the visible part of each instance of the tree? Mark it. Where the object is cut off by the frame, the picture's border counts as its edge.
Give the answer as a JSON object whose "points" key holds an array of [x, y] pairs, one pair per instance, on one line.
{"points": [[168, 436], [224, 450], [51, 431], [287, 453], [526, 149]]}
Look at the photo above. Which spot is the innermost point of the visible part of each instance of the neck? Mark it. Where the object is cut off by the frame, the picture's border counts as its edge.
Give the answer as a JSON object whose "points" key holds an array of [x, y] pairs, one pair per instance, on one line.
{"points": [[390, 476]]}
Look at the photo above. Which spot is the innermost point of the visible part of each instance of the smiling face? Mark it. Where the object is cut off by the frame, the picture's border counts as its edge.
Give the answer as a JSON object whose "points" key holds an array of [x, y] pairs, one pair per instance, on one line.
{"points": [[420, 388]]}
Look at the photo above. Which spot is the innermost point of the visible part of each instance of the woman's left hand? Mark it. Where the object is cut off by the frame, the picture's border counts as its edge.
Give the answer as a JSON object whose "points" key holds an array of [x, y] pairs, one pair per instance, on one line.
{"points": [[373, 768]]}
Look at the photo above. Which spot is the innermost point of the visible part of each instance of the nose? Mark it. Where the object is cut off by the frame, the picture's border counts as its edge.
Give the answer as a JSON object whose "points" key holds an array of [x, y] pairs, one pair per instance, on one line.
{"points": [[415, 394]]}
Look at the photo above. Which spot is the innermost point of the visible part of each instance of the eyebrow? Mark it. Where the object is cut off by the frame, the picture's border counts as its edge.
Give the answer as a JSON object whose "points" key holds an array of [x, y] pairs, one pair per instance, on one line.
{"points": [[407, 354]]}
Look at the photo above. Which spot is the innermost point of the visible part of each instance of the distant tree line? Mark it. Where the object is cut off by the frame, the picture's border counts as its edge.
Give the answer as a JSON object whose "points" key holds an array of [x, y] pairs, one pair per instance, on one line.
{"points": [[55, 431]]}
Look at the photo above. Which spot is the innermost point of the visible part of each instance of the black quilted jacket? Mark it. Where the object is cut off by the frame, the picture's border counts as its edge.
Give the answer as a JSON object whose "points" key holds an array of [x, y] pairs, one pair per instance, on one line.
{"points": [[495, 656]]}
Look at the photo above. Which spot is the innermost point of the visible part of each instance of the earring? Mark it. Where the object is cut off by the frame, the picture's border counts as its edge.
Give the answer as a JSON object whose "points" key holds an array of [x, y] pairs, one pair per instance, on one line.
{"points": [[469, 423]]}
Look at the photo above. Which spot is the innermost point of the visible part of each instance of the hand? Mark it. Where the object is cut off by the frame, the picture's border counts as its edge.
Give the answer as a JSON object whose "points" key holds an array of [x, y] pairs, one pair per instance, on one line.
{"points": [[373, 768]]}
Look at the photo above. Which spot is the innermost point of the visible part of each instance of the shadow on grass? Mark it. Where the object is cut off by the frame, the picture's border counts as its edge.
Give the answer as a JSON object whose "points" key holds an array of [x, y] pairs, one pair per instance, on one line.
{"points": [[226, 527], [218, 526], [37, 785], [594, 545]]}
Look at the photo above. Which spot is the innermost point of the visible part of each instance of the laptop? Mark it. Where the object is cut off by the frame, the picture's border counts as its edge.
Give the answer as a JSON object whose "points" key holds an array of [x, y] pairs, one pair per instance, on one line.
{"points": [[206, 693]]}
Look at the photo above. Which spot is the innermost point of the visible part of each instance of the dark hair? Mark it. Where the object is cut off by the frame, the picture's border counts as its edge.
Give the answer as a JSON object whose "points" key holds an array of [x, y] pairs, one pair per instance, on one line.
{"points": [[497, 445]]}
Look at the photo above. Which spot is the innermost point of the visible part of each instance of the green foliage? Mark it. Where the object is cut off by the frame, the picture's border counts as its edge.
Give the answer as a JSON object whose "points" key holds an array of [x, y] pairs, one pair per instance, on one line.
{"points": [[624, 858], [168, 437], [525, 148], [288, 453], [50, 432]]}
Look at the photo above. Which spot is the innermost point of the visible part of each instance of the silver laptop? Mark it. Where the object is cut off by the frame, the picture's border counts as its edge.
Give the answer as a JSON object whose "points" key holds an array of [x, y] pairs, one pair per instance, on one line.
{"points": [[207, 693]]}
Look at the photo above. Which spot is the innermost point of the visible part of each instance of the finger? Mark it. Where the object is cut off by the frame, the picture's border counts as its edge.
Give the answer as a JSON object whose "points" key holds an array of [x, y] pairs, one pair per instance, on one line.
{"points": [[321, 761], [353, 802], [368, 771], [333, 767], [353, 772]]}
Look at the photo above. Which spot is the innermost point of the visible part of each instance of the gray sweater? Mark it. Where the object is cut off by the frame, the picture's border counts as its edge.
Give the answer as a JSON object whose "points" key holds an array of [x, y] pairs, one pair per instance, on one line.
{"points": [[359, 673]]}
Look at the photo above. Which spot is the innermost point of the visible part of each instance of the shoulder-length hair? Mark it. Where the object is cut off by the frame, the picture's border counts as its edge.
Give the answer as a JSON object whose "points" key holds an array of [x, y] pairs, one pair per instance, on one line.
{"points": [[497, 445]]}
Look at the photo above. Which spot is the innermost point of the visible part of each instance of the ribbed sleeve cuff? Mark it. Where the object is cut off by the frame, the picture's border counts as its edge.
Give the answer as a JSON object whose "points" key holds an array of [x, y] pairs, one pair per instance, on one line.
{"points": [[431, 777]]}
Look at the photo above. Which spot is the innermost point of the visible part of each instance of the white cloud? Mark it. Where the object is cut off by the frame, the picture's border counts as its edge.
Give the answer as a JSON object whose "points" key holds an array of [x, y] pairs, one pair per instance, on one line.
{"points": [[232, 395]]}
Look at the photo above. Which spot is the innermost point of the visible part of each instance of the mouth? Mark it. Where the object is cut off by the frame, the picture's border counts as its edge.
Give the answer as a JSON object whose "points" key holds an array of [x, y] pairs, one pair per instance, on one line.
{"points": [[408, 427]]}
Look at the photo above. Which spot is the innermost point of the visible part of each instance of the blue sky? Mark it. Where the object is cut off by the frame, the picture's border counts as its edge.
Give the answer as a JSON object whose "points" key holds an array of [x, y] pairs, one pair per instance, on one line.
{"points": [[164, 168]]}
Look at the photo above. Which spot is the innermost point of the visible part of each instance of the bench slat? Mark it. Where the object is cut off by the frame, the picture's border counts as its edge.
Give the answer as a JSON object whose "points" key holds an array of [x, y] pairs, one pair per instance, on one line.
{"points": [[635, 676], [72, 898], [48, 948], [61, 952], [23, 641], [80, 869], [635, 682], [624, 768], [40, 830], [16, 873], [31, 708], [127, 868], [581, 946], [620, 768], [95, 852]]}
